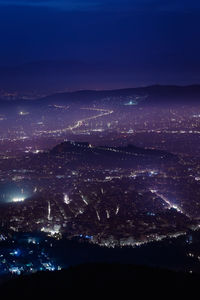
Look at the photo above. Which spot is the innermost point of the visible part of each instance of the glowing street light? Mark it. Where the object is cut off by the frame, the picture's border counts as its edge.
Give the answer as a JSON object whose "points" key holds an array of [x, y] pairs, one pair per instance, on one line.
{"points": [[18, 199]]}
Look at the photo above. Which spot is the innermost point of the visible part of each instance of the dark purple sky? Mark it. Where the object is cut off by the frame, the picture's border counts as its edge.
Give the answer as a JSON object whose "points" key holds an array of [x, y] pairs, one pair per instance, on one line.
{"points": [[156, 41]]}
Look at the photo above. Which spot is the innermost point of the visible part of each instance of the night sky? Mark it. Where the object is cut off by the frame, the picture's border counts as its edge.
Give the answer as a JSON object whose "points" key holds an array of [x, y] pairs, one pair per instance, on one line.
{"points": [[149, 41]]}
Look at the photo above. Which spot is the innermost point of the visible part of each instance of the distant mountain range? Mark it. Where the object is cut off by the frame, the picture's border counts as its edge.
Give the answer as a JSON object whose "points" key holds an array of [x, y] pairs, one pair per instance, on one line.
{"points": [[152, 95], [49, 77], [155, 95]]}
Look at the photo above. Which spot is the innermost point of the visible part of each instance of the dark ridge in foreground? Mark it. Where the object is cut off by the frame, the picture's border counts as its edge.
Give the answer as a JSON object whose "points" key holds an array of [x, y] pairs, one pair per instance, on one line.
{"points": [[100, 278]]}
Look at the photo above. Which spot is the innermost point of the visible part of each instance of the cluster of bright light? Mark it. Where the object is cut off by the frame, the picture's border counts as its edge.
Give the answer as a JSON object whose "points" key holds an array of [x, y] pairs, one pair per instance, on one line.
{"points": [[15, 270], [18, 199], [37, 151], [48, 266], [169, 203], [52, 231], [66, 199], [23, 113], [15, 252]]}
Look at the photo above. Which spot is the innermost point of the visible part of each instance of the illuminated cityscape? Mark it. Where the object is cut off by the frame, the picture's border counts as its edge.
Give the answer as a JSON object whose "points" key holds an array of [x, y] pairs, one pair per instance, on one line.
{"points": [[109, 174], [99, 136]]}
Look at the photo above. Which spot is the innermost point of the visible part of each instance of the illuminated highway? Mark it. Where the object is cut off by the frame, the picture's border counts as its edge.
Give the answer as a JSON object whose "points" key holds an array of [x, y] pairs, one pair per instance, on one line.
{"points": [[79, 123], [170, 204]]}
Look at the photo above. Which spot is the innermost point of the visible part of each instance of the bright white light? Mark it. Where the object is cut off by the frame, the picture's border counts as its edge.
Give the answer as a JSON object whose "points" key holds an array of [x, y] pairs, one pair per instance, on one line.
{"points": [[52, 231], [66, 199], [117, 210], [37, 151], [23, 113], [18, 199], [107, 214]]}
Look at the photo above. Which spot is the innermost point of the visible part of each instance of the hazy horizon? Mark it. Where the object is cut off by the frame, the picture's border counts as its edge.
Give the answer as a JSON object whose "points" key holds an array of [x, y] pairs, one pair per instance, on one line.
{"points": [[117, 43]]}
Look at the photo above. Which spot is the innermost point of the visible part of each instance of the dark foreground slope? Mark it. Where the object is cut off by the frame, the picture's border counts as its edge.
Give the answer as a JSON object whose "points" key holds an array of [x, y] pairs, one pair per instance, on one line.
{"points": [[99, 279]]}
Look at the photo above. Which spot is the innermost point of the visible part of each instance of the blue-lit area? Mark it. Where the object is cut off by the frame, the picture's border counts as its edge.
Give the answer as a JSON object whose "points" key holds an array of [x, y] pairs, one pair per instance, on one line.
{"points": [[151, 214], [25, 254], [131, 102], [13, 192], [16, 252], [87, 237]]}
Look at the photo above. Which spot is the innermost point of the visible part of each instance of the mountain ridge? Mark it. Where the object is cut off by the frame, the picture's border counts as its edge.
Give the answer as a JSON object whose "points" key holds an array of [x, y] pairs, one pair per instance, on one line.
{"points": [[50, 76], [153, 94]]}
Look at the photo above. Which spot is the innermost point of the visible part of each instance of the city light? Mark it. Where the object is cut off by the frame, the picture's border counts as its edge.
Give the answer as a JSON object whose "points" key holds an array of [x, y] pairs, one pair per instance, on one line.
{"points": [[125, 184], [18, 199], [23, 113], [66, 199]]}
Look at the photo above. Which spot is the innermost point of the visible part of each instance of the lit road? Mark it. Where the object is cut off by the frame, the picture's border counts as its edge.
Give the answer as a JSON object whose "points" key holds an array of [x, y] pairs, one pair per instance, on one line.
{"points": [[170, 204], [79, 123]]}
